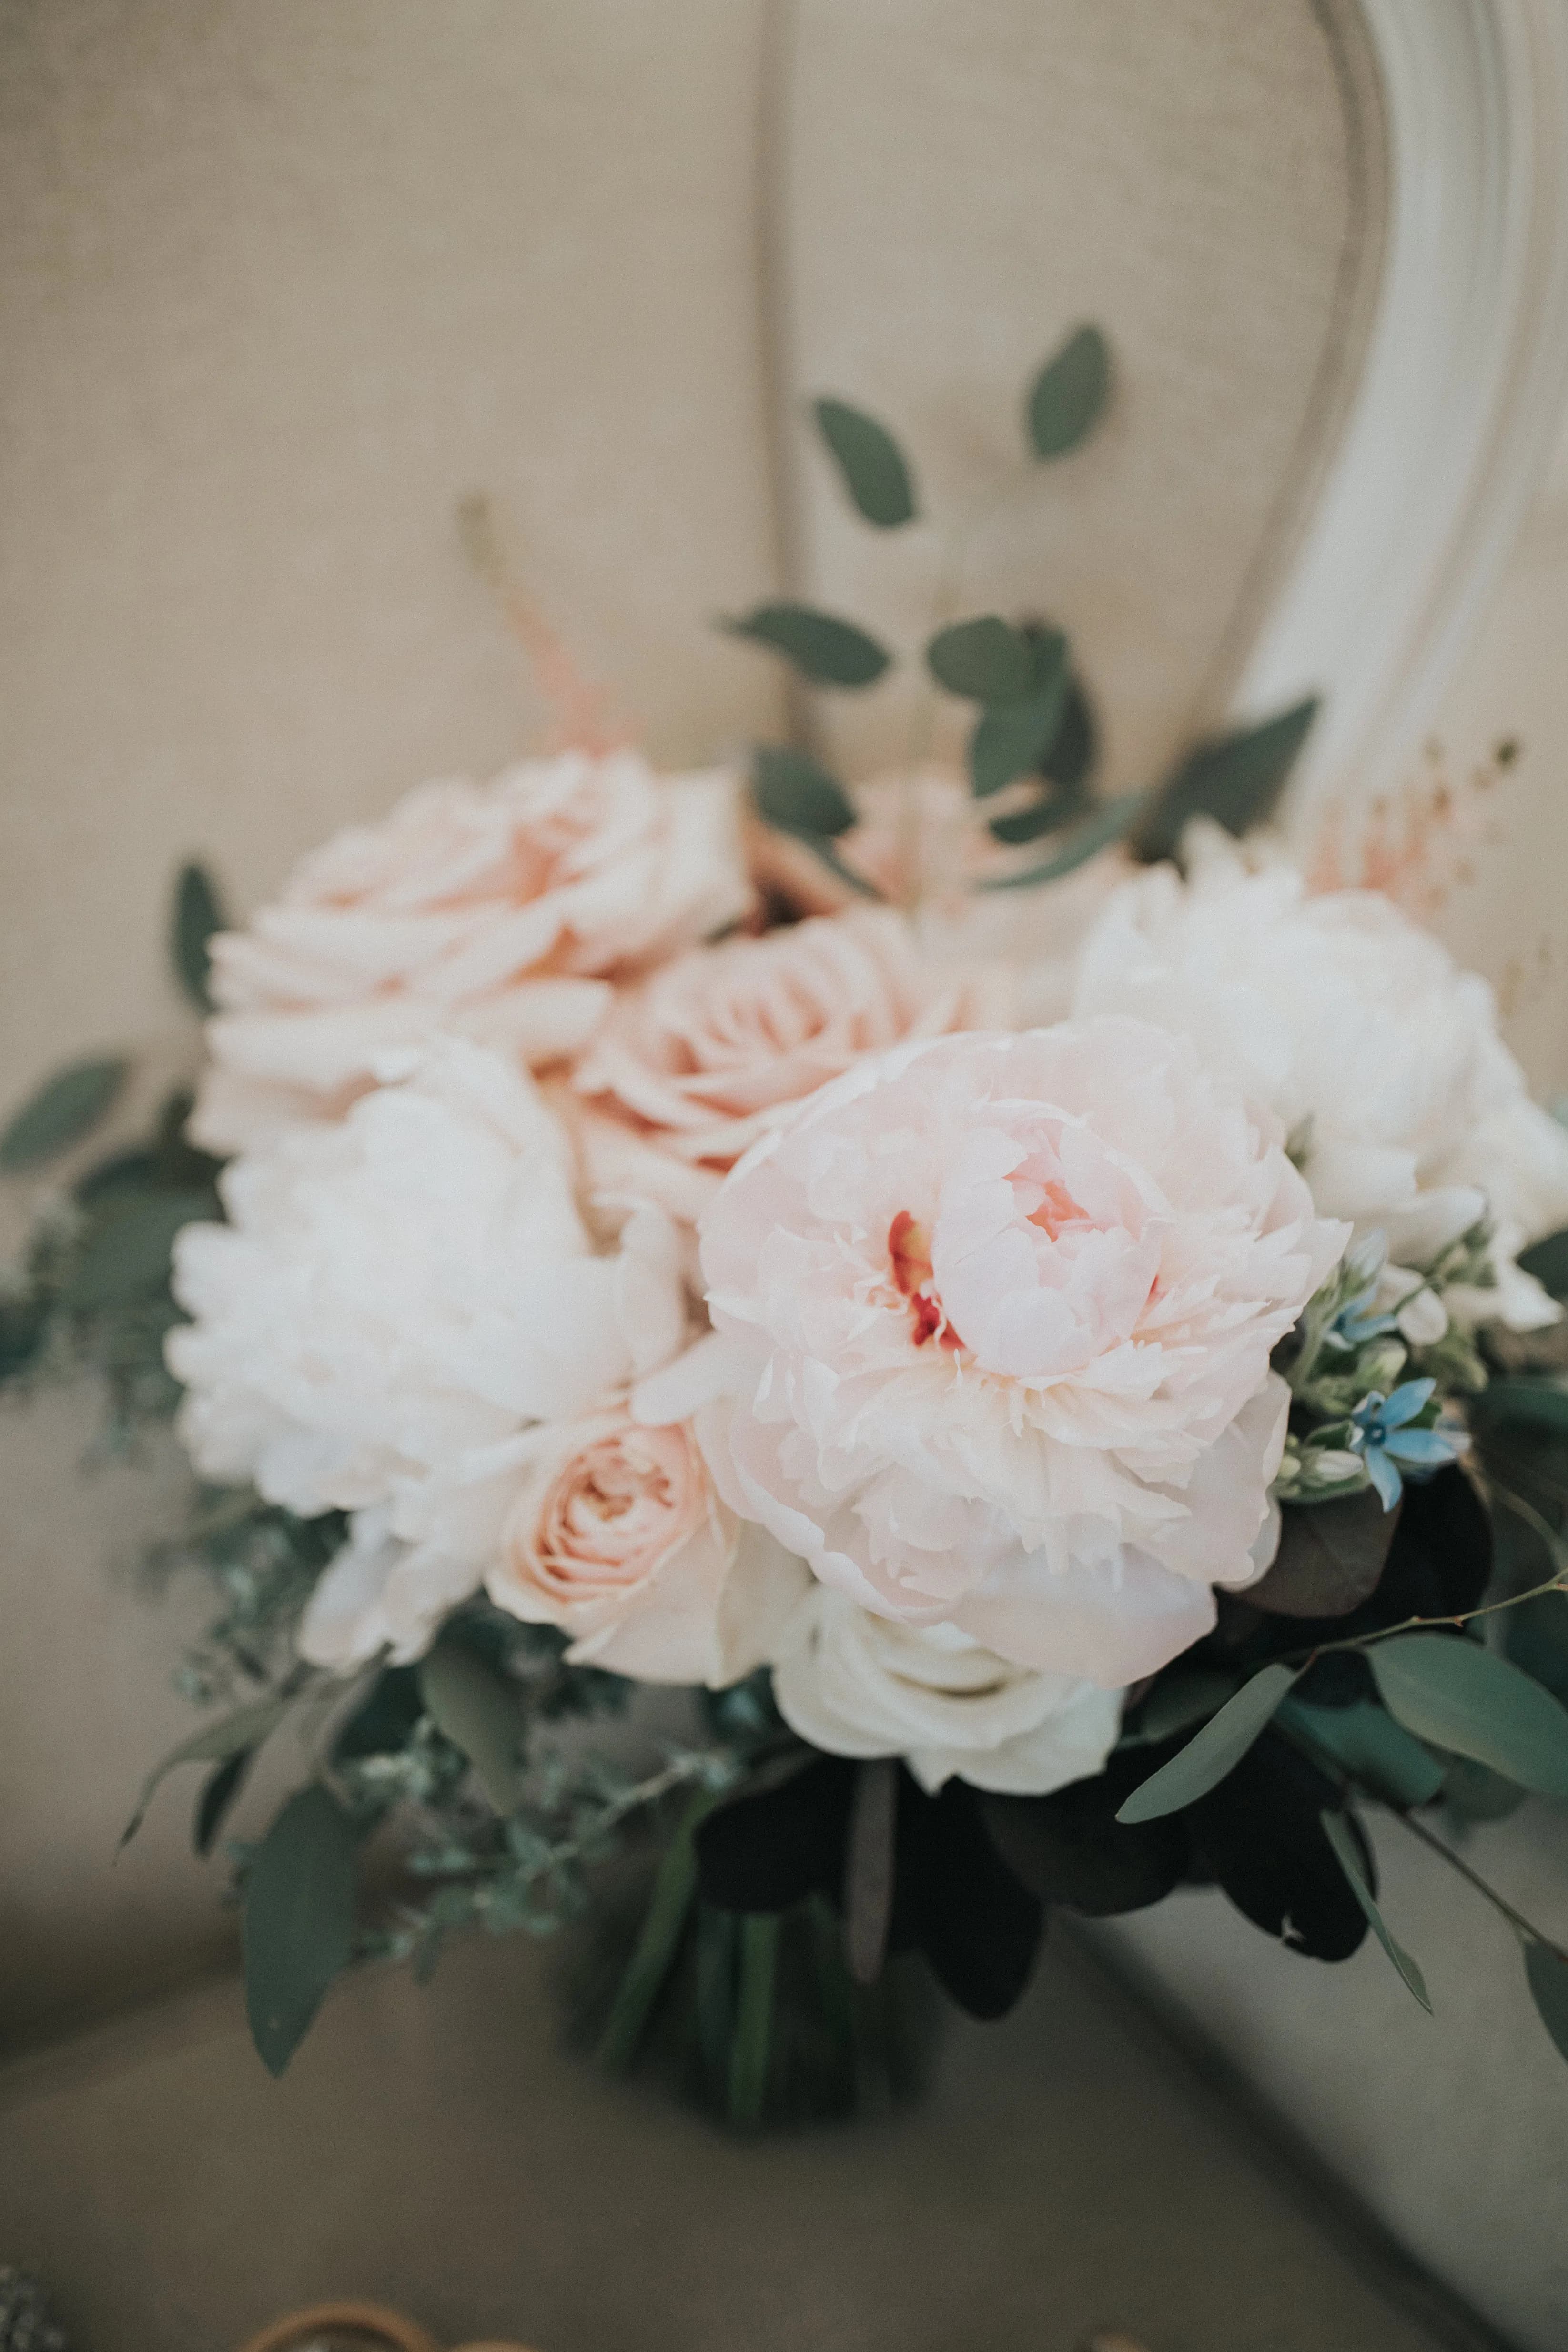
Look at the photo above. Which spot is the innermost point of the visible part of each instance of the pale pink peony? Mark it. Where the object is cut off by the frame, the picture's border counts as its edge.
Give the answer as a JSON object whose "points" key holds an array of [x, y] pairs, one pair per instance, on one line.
{"points": [[716, 1048], [994, 1318], [496, 911]]}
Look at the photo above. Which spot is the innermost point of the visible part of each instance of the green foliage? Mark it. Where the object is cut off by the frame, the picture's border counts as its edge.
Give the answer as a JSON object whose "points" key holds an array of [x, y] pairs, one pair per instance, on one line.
{"points": [[1465, 1698], [1365, 1742], [240, 1733], [758, 1939], [1337, 1830], [197, 915], [216, 1798], [1236, 780], [1110, 821], [126, 1251], [984, 660], [480, 1711], [1218, 1749], [1069, 395], [869, 461], [1548, 1262], [1329, 1559], [797, 794], [659, 1941], [299, 1920], [65, 1109], [828, 651]]}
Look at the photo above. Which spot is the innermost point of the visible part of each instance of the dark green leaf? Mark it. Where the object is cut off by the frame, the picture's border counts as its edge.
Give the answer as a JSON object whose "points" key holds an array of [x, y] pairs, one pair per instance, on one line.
{"points": [[218, 1793], [245, 1728], [1547, 1972], [1012, 738], [1183, 1697], [65, 1109], [1364, 1741], [1220, 1745], [1068, 394], [753, 2042], [386, 1719], [828, 651], [299, 1920], [657, 1943], [870, 462], [1548, 1262], [1535, 1637], [1463, 1697], [1329, 1559], [1071, 753], [480, 1711], [985, 659], [1237, 780], [1110, 822], [198, 913], [1054, 814], [1337, 1830], [1532, 1404], [1472, 1792], [127, 1255], [797, 794]]}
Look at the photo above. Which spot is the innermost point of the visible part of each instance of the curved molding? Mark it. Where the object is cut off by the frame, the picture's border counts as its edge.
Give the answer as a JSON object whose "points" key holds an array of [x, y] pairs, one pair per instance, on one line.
{"points": [[1462, 393]]}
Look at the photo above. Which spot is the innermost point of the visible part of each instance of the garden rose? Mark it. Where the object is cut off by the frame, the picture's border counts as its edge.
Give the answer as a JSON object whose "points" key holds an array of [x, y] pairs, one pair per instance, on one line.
{"points": [[493, 911], [1379, 1055], [860, 1684], [996, 1315], [712, 1050], [396, 1302]]}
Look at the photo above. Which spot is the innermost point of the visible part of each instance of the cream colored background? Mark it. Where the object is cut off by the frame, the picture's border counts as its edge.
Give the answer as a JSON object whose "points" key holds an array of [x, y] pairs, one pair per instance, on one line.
{"points": [[279, 283]]}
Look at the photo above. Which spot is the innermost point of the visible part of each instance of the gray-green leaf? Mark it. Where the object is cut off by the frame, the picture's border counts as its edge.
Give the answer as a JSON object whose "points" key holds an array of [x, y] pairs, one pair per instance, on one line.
{"points": [[65, 1109], [1330, 1558], [198, 913], [1547, 1972], [1108, 823], [1463, 1698], [1536, 1404], [1365, 1742], [1218, 1748], [480, 1711], [1069, 393], [797, 795], [128, 1255], [1011, 738], [985, 659], [299, 1920], [824, 649], [1337, 1830], [1236, 780], [245, 1728], [870, 461]]}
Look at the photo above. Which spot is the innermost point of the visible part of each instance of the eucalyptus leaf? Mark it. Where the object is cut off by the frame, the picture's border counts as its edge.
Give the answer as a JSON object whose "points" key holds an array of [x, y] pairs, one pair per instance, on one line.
{"points": [[1548, 1262], [871, 463], [1465, 1698], [1533, 1404], [828, 651], [752, 2044], [197, 915], [1364, 1741], [1535, 1637], [243, 1730], [1183, 1697], [219, 1793], [1337, 1830], [1220, 1745], [480, 1711], [127, 1255], [298, 1920], [1051, 814], [66, 1107], [1069, 393], [1070, 755], [1110, 821], [1330, 1558], [984, 660], [1474, 1792], [1546, 1973], [1012, 738], [796, 793], [1236, 780]]}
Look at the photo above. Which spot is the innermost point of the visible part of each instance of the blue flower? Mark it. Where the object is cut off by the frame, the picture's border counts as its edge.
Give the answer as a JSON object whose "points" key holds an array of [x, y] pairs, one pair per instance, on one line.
{"points": [[1380, 1434]]}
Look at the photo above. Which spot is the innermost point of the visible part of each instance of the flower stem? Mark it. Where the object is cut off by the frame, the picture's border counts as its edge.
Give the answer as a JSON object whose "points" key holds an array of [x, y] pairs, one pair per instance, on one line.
{"points": [[1516, 1919]]}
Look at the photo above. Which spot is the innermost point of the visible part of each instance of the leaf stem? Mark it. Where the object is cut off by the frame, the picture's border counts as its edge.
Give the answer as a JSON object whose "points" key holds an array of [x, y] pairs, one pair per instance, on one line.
{"points": [[1558, 1583], [1516, 1919]]}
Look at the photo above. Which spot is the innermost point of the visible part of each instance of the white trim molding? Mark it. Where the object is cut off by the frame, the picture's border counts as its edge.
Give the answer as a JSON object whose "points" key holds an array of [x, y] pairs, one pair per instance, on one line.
{"points": [[1462, 394]]}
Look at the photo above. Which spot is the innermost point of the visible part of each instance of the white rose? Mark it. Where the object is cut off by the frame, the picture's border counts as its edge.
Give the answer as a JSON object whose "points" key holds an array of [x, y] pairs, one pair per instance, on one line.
{"points": [[496, 911], [860, 1684], [1360, 1032], [396, 1302]]}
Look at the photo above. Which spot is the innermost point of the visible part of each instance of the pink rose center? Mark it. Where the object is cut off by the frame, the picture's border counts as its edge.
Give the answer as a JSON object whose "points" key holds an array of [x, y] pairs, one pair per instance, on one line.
{"points": [[613, 1512]]}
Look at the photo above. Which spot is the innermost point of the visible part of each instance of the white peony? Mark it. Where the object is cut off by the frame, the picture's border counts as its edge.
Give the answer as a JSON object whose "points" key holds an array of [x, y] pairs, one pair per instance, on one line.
{"points": [[1378, 1054], [399, 1306], [497, 911], [860, 1684], [994, 1318]]}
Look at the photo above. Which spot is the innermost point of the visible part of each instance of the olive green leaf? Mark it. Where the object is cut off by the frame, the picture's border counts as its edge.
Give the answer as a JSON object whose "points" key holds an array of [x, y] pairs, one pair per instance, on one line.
{"points": [[1448, 1690], [66, 1107], [128, 1253], [1236, 780], [197, 914], [1218, 1749], [797, 794], [870, 461], [1364, 1741], [299, 1918], [1106, 823], [985, 659], [1337, 1830], [480, 1711], [1069, 393], [824, 649]]}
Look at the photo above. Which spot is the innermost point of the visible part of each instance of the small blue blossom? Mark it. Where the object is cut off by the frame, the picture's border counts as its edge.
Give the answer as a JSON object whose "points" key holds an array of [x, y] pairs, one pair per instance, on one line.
{"points": [[1380, 1435]]}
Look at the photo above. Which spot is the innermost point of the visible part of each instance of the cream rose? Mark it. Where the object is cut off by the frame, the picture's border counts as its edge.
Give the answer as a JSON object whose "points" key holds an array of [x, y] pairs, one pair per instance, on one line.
{"points": [[496, 911], [995, 1315], [717, 1047], [1379, 1055], [860, 1684], [397, 1307]]}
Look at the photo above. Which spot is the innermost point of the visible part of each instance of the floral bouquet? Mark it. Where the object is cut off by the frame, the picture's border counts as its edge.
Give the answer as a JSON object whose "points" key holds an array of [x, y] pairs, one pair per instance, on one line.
{"points": [[1067, 1387]]}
